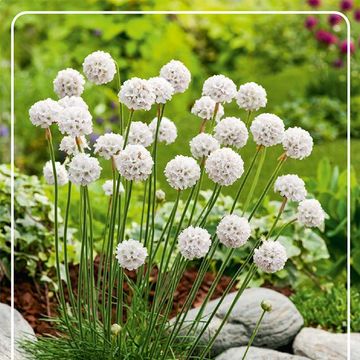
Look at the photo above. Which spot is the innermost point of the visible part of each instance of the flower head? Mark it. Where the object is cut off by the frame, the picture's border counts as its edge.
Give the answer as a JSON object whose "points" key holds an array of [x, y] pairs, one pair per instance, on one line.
{"points": [[45, 112], [99, 67], [251, 97], [75, 121], [291, 187], [69, 82], [84, 169], [177, 74], [326, 37], [167, 130], [346, 5], [311, 22], [194, 242], [270, 257], [61, 173], [131, 254], [231, 131], [267, 130], [224, 166], [182, 172], [134, 163], [233, 231], [68, 145], [108, 187], [69, 101], [140, 134], [344, 45], [203, 145], [137, 94], [162, 88], [334, 19], [297, 143], [314, 3], [160, 196], [109, 145], [220, 88], [204, 108], [310, 213]]}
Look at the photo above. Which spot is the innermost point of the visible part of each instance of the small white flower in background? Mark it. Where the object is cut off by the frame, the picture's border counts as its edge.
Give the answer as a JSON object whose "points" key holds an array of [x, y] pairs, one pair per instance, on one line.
{"points": [[251, 97], [231, 131], [75, 121], [203, 145], [224, 166], [61, 173], [69, 101], [68, 145], [108, 145], [270, 257], [84, 169], [194, 242], [233, 231], [160, 196], [162, 88], [140, 134], [310, 213], [137, 94], [167, 130], [182, 172], [297, 143], [99, 67], [44, 112], [204, 108], [131, 254], [177, 74], [69, 82], [267, 130], [220, 88], [134, 163], [291, 186], [108, 187]]}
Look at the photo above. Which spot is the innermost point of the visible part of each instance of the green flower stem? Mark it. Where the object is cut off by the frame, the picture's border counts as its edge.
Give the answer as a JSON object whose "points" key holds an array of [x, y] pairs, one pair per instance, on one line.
{"points": [[255, 181], [209, 205], [120, 104], [208, 210], [131, 114], [255, 331], [248, 116], [284, 227], [198, 187], [281, 210]]}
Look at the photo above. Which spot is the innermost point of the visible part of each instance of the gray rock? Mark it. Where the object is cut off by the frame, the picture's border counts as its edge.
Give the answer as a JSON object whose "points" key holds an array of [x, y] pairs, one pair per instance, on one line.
{"points": [[23, 331], [319, 344], [278, 327], [256, 353]]}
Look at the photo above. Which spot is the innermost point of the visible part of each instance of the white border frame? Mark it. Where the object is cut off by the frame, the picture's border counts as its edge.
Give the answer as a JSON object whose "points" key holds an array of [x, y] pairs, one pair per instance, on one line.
{"points": [[12, 151]]}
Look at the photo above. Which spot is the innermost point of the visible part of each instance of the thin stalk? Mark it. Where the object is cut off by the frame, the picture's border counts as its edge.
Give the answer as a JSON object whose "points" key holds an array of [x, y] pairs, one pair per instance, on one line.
{"points": [[248, 118], [131, 113], [207, 213], [281, 210], [120, 104], [284, 227], [198, 187]]}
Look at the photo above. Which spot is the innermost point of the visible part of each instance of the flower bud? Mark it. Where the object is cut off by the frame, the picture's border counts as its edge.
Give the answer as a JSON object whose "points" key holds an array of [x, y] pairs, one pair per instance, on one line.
{"points": [[115, 329], [160, 196], [266, 305]]}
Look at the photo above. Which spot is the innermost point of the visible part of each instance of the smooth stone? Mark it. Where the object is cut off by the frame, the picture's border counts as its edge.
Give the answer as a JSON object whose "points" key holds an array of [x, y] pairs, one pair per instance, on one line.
{"points": [[277, 329], [256, 353], [23, 331], [318, 344]]}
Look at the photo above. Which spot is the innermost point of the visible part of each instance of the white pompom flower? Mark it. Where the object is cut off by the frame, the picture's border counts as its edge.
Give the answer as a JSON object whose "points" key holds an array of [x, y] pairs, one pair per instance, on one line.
{"points": [[231, 131], [134, 163], [291, 186], [204, 108], [137, 94], [310, 213], [69, 82], [99, 67], [182, 172], [69, 101], [61, 173], [167, 130], [162, 88], [267, 130], [177, 74], [270, 257], [45, 112], [251, 97], [84, 169], [68, 145], [108, 145], [297, 143], [224, 166], [108, 187], [140, 134], [194, 242], [220, 88], [233, 231], [203, 145], [131, 254], [75, 121]]}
